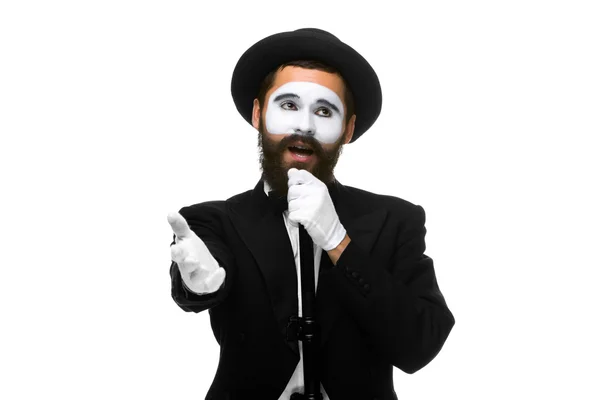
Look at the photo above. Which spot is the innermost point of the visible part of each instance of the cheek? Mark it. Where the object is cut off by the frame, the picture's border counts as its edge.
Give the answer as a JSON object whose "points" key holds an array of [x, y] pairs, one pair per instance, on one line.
{"points": [[329, 130], [279, 122]]}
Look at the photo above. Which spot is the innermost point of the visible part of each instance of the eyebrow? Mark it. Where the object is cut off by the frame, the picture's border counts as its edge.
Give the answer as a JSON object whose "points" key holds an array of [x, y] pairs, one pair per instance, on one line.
{"points": [[296, 97], [286, 96]]}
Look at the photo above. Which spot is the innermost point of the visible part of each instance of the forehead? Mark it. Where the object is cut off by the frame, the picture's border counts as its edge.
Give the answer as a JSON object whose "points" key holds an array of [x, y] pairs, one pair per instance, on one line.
{"points": [[297, 74]]}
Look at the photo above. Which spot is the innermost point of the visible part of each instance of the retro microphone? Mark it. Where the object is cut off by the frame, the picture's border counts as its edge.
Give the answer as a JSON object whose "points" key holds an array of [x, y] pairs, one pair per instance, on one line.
{"points": [[305, 328]]}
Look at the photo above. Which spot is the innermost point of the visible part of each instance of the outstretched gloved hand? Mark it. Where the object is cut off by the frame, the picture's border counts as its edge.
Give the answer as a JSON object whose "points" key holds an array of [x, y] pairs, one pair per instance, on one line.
{"points": [[200, 271], [309, 204]]}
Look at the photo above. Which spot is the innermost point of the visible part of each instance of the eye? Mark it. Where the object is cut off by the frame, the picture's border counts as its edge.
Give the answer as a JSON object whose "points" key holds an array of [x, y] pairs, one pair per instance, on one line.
{"points": [[324, 112], [288, 105]]}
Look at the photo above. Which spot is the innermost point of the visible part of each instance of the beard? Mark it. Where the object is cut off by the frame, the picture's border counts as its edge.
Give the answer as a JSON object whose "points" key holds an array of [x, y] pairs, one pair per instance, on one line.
{"points": [[274, 170]]}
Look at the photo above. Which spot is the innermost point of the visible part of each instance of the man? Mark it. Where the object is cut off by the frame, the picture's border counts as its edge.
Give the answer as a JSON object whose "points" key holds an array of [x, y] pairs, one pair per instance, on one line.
{"points": [[378, 304]]}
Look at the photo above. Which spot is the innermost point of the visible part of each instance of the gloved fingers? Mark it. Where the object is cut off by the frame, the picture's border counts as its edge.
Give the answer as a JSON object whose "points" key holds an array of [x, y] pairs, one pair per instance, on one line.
{"points": [[299, 177], [303, 173], [179, 225], [294, 192], [191, 262], [294, 205], [188, 265], [297, 216], [309, 202], [300, 192], [178, 253], [204, 269], [214, 280]]}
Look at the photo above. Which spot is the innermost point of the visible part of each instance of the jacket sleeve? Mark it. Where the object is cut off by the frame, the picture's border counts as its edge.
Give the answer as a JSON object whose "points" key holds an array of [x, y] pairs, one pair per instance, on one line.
{"points": [[205, 220], [400, 307]]}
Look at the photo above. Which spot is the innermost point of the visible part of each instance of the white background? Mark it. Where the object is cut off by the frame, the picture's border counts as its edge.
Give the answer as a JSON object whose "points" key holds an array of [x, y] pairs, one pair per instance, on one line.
{"points": [[113, 113]]}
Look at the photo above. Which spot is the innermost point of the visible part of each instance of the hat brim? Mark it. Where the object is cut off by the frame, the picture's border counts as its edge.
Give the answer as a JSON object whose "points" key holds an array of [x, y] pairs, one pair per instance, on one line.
{"points": [[273, 51]]}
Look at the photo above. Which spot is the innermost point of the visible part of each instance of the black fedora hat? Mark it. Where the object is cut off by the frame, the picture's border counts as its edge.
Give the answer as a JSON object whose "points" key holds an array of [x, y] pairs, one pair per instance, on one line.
{"points": [[308, 44]]}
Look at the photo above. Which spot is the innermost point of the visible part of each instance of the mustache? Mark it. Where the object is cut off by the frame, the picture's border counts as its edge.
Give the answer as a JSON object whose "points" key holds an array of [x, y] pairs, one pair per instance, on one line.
{"points": [[310, 141]]}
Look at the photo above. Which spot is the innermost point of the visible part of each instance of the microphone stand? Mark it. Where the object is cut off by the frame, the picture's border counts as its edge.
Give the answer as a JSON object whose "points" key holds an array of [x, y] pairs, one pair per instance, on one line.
{"points": [[305, 328]]}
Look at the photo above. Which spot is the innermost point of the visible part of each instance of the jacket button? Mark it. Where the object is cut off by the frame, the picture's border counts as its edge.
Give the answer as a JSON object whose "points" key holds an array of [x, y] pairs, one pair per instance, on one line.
{"points": [[367, 287], [354, 274], [361, 281]]}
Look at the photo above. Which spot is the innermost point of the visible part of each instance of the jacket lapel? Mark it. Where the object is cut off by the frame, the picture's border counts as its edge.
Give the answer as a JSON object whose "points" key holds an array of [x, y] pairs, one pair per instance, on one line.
{"points": [[263, 231]]}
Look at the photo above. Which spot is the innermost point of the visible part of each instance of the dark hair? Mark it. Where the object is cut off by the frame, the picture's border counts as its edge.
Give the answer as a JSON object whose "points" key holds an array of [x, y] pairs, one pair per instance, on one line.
{"points": [[267, 82]]}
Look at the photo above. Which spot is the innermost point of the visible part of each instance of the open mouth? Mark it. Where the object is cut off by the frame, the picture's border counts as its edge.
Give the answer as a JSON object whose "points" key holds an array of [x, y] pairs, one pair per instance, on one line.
{"points": [[301, 151]]}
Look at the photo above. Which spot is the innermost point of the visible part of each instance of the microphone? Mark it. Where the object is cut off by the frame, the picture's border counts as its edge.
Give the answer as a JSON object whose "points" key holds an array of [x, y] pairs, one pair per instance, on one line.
{"points": [[305, 328], [308, 329]]}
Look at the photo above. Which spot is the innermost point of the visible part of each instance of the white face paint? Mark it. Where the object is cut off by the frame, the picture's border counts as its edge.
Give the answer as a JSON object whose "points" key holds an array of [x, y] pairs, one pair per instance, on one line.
{"points": [[306, 108]]}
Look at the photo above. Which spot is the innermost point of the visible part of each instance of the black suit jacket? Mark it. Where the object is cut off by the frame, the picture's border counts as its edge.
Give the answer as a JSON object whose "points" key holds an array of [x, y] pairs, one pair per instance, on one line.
{"points": [[379, 307]]}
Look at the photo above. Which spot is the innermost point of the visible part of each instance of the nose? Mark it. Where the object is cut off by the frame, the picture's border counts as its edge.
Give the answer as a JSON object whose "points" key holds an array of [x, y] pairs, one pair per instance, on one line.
{"points": [[306, 125]]}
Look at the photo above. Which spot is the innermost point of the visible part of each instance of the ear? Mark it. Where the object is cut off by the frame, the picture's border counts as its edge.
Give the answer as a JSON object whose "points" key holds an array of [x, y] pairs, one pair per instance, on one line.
{"points": [[350, 129], [255, 114]]}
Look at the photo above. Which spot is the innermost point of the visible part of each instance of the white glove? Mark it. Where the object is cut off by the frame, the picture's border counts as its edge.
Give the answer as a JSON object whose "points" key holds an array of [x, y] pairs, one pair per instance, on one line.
{"points": [[309, 204], [200, 271]]}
